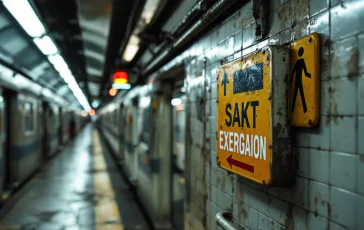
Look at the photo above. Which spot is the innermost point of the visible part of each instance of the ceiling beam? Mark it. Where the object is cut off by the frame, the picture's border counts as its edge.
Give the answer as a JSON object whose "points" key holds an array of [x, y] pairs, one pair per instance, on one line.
{"points": [[60, 17], [124, 16]]}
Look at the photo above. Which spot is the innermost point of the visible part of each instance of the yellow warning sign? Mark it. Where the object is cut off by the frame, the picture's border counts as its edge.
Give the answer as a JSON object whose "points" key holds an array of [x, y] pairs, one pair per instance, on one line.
{"points": [[251, 109], [304, 81]]}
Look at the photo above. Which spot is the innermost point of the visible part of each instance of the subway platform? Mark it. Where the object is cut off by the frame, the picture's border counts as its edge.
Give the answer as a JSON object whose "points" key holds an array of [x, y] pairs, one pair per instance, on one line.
{"points": [[80, 188]]}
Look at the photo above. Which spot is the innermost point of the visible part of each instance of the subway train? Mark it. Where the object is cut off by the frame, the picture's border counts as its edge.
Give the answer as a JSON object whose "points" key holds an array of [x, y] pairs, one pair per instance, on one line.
{"points": [[167, 133], [34, 124], [147, 134]]}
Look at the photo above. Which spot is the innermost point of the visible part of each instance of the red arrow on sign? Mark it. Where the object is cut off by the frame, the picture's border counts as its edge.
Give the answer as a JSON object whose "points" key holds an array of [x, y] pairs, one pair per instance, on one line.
{"points": [[240, 164]]}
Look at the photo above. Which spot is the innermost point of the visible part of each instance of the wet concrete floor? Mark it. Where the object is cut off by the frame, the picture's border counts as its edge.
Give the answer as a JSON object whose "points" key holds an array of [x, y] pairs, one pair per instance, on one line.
{"points": [[81, 188]]}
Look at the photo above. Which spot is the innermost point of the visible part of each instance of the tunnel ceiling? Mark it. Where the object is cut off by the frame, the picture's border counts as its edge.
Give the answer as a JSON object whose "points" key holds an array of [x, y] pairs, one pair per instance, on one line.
{"points": [[93, 35], [19, 52], [81, 30], [94, 21]]}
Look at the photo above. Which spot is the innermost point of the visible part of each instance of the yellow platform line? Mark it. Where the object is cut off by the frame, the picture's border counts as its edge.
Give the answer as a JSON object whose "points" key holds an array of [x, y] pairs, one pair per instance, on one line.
{"points": [[10, 227], [107, 215]]}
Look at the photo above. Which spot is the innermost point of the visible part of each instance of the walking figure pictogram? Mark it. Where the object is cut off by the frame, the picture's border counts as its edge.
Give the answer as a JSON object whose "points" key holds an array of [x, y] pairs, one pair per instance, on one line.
{"points": [[298, 67]]}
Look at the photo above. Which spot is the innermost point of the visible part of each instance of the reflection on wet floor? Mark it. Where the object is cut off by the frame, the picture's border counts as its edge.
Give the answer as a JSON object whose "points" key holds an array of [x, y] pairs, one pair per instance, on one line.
{"points": [[106, 209], [80, 188]]}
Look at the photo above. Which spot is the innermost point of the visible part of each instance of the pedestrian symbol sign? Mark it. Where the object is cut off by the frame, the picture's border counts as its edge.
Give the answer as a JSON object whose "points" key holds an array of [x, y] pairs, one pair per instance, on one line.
{"points": [[304, 93], [297, 70], [253, 138]]}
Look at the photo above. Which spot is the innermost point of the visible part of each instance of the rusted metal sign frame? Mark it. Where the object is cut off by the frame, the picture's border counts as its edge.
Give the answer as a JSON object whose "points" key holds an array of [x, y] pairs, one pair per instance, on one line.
{"points": [[280, 162]]}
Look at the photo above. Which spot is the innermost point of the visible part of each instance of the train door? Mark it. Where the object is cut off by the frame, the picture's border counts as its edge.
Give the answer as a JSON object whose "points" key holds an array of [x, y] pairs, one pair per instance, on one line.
{"points": [[9, 97], [43, 130], [121, 122], [134, 140], [2, 141], [178, 155], [72, 124], [60, 128]]}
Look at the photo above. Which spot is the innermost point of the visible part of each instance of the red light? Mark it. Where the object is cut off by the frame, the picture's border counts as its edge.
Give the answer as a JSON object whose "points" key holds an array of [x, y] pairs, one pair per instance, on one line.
{"points": [[92, 112], [121, 77], [113, 92]]}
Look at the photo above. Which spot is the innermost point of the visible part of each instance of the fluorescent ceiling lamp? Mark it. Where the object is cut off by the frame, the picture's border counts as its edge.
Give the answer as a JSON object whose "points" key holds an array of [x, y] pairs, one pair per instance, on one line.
{"points": [[131, 48], [79, 95], [46, 45], [149, 10], [82, 100], [150, 7], [77, 91], [73, 85], [23, 12], [59, 63], [86, 106], [121, 86], [65, 72], [61, 66], [176, 101], [46, 92], [67, 77]]}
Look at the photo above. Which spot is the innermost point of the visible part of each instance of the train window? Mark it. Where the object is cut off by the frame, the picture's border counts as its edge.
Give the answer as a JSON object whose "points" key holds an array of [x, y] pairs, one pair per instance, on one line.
{"points": [[28, 117], [179, 132], [145, 132], [53, 119], [179, 136], [50, 112]]}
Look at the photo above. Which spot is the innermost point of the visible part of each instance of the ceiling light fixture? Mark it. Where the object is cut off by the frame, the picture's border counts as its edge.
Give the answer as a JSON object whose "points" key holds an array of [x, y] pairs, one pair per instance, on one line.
{"points": [[131, 48], [58, 62], [146, 17], [25, 15], [67, 78], [46, 45], [23, 12]]}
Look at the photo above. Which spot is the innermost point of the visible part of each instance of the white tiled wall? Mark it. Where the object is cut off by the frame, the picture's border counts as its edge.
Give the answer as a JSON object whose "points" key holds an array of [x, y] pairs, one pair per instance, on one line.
{"points": [[329, 189]]}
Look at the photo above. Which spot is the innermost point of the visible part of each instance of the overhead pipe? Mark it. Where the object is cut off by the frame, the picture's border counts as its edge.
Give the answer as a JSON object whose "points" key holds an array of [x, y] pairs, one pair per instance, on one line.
{"points": [[264, 11], [191, 15], [206, 20], [119, 23], [222, 219], [196, 11], [169, 37], [260, 14], [132, 24], [153, 29]]}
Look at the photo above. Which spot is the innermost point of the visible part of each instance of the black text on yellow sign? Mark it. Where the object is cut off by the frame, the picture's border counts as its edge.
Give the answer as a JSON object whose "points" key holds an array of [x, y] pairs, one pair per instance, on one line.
{"points": [[253, 145], [246, 138]]}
